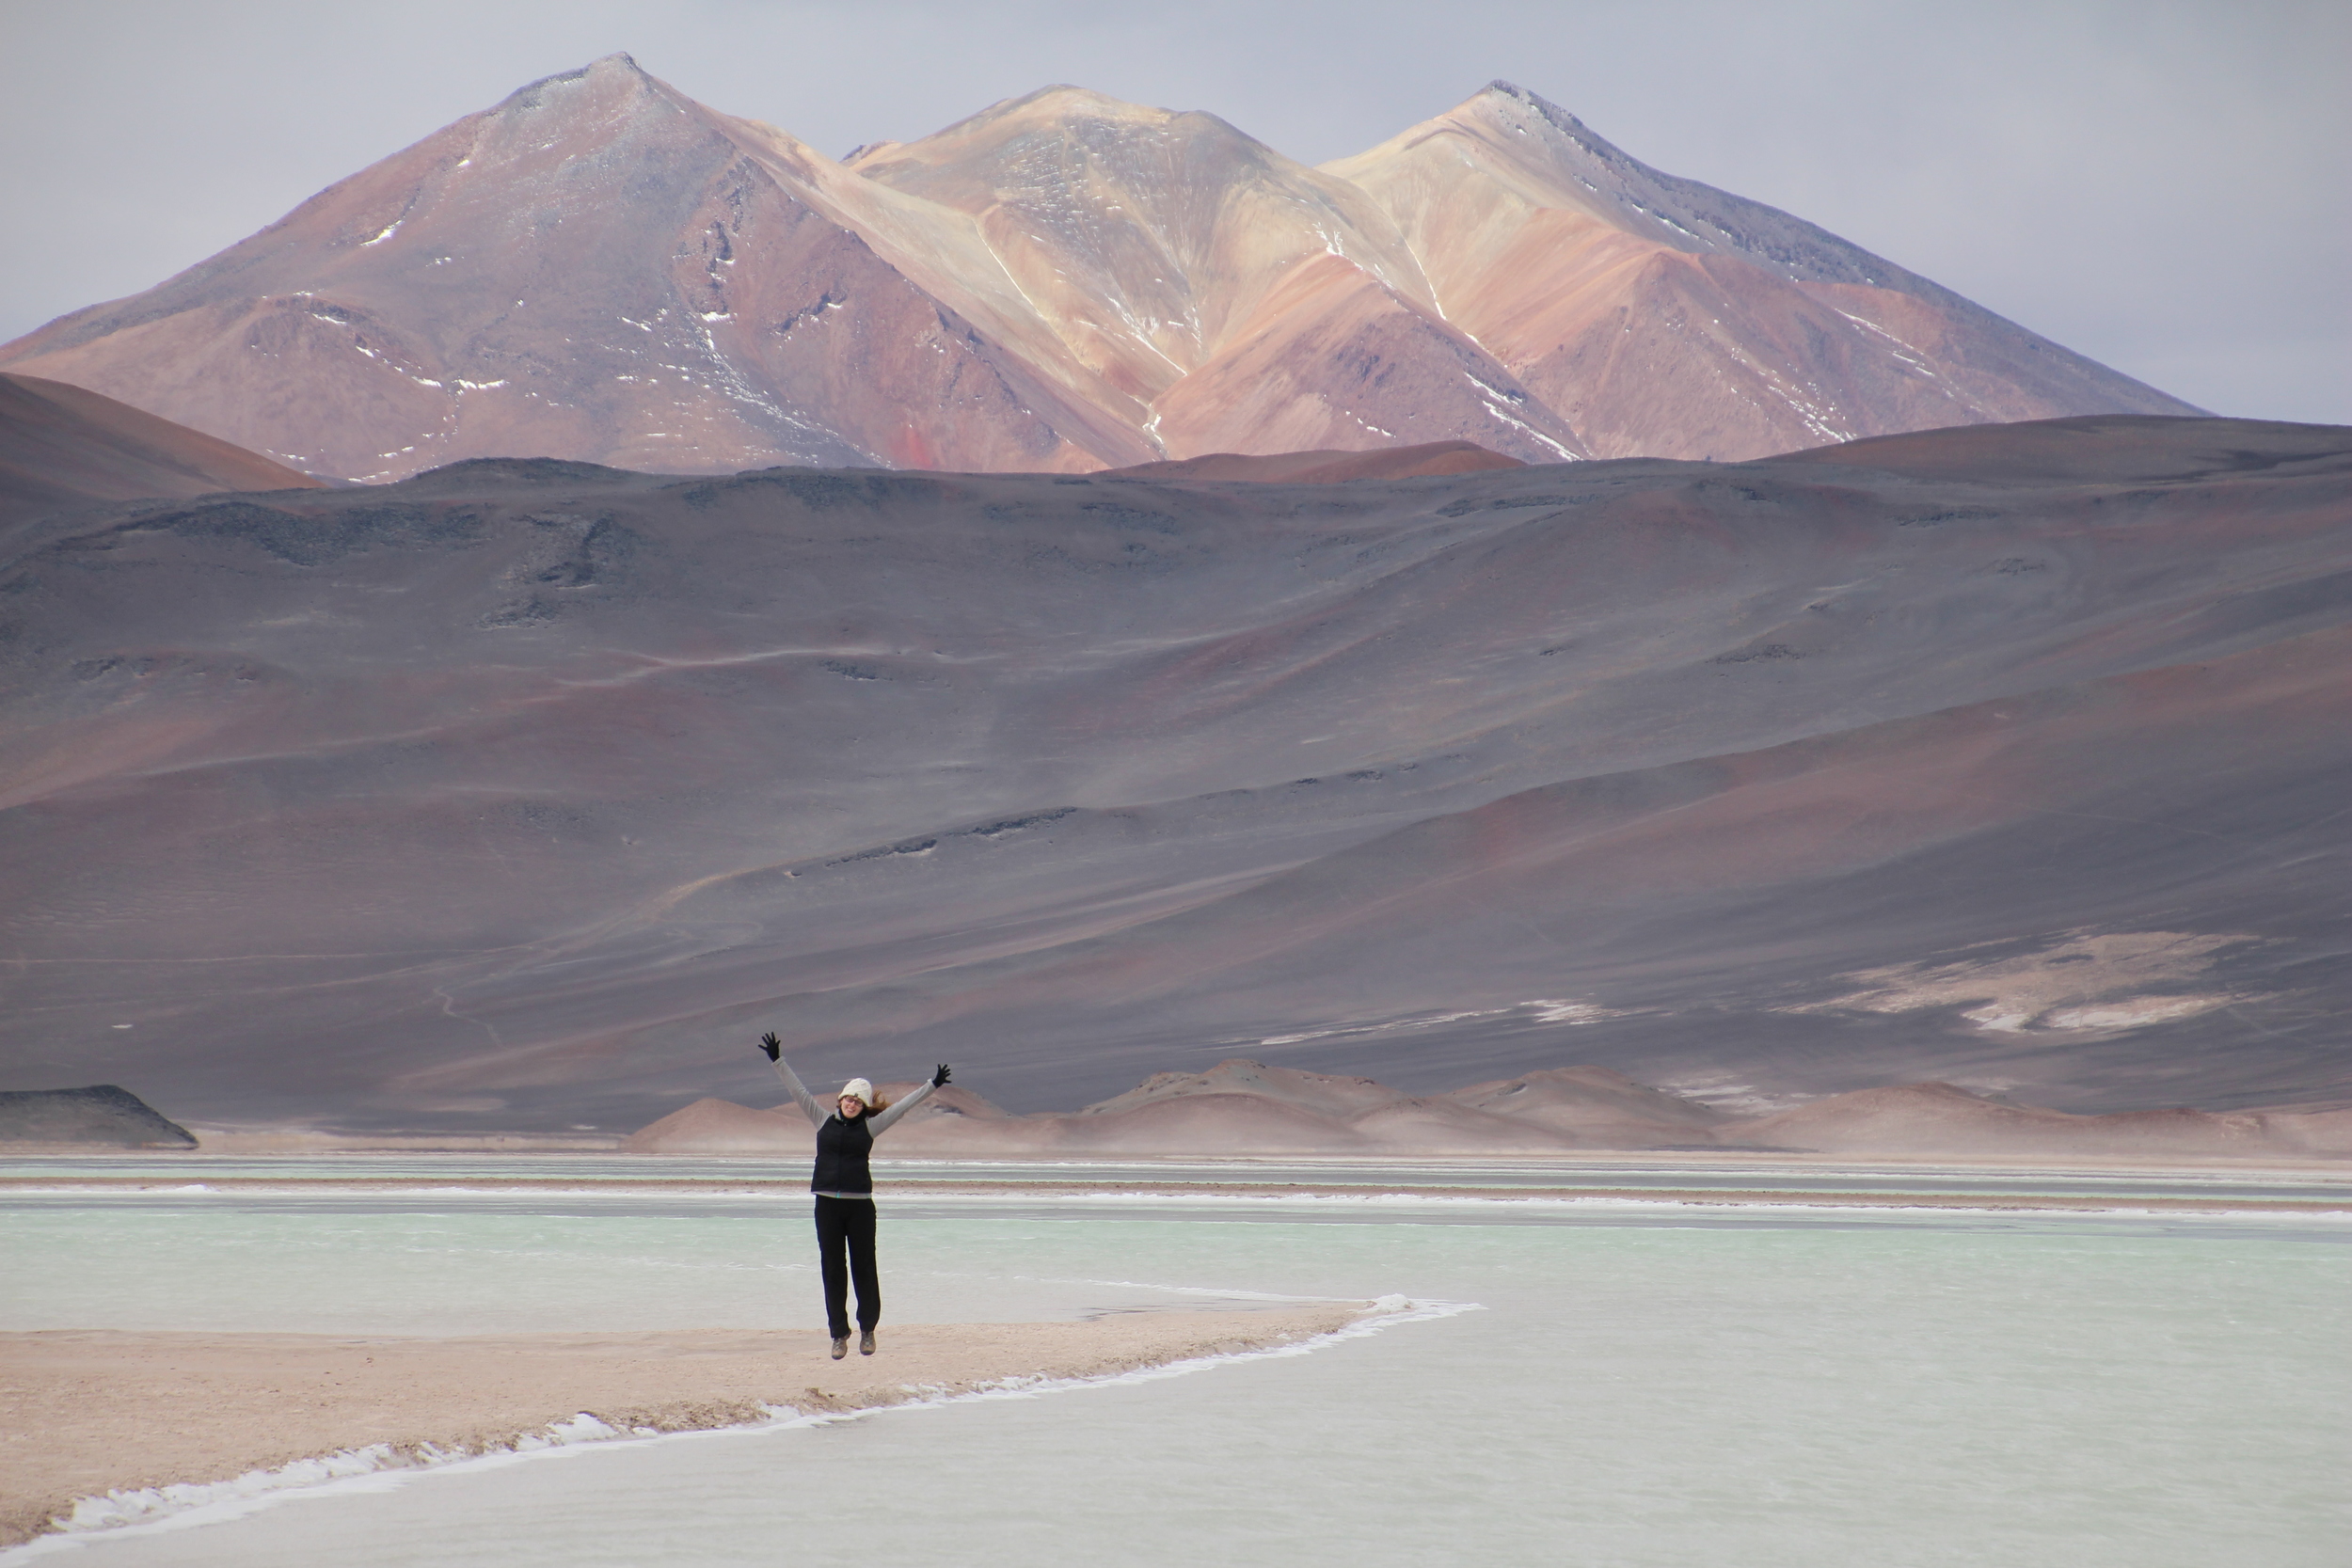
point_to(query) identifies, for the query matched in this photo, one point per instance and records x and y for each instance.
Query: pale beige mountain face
(1663, 318)
(600, 268)
(1147, 239)
(1227, 298)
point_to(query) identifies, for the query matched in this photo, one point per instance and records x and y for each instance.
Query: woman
(845, 1192)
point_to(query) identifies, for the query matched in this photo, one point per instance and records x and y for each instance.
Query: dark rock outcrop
(103, 1115)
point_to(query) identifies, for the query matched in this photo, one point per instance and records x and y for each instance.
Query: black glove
(771, 1045)
(941, 1076)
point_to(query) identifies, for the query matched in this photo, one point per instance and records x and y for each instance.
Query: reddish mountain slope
(598, 268)
(61, 446)
(601, 269)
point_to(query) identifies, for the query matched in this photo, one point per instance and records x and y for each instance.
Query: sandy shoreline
(83, 1412)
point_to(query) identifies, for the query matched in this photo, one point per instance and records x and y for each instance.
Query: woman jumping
(845, 1192)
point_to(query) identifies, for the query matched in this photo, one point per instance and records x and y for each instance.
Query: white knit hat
(859, 1088)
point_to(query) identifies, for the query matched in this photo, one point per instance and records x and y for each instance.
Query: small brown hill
(61, 446)
(1320, 1094)
(1241, 1107)
(1597, 1106)
(722, 1127)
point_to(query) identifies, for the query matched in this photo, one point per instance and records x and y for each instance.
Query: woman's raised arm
(882, 1119)
(801, 1097)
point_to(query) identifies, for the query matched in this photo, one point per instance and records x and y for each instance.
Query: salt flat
(1632, 1382)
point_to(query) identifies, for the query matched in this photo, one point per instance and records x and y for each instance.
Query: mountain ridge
(600, 268)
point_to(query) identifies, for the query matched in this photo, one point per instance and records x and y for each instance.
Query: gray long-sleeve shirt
(877, 1122)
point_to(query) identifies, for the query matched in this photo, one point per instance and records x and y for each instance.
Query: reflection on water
(1645, 1385)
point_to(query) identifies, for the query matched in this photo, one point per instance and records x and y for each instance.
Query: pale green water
(1642, 1386)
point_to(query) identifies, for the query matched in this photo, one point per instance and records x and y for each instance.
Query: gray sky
(2161, 185)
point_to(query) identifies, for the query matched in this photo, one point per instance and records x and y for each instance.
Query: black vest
(841, 1151)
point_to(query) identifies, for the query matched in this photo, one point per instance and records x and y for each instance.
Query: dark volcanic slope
(61, 447)
(528, 793)
(1328, 467)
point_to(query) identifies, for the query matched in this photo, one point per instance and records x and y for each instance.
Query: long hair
(877, 1104)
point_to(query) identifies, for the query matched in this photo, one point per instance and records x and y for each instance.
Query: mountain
(601, 269)
(1663, 318)
(1234, 299)
(62, 447)
(524, 795)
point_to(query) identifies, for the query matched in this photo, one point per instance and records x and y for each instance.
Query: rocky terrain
(524, 795)
(601, 269)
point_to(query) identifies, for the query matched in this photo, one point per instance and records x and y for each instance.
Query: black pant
(844, 1243)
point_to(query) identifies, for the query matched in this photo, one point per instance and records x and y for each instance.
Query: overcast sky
(2164, 187)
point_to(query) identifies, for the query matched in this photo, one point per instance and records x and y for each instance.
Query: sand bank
(88, 1413)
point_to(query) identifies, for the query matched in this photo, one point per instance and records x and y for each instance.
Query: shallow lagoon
(1634, 1383)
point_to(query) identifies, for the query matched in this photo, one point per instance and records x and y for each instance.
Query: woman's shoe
(866, 1343)
(841, 1346)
